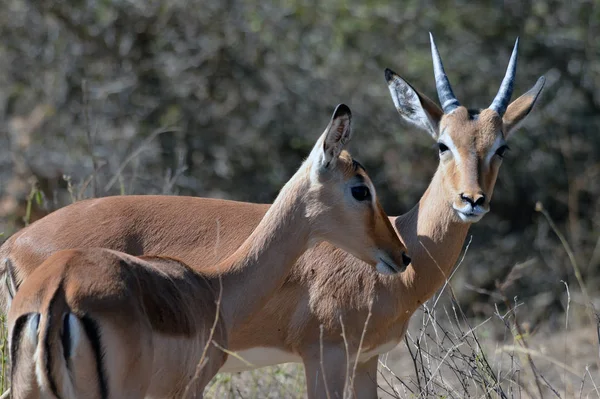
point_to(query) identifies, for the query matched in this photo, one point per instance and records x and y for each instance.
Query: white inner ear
(337, 137)
(409, 107)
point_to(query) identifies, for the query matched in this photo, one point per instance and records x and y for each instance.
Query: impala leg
(215, 359)
(326, 375)
(365, 380)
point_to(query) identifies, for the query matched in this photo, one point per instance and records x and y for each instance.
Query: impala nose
(474, 200)
(406, 259)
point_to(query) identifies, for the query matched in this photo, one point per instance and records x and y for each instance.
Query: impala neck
(260, 265)
(434, 239)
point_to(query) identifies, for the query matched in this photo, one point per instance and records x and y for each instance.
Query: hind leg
(127, 361)
(85, 357)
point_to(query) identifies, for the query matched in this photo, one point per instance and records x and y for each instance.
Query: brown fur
(141, 298)
(325, 286)
(156, 312)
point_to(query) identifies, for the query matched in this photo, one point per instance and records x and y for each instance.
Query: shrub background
(223, 98)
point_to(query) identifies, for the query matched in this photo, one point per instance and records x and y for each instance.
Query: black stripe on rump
(16, 339)
(65, 339)
(93, 334)
(46, 341)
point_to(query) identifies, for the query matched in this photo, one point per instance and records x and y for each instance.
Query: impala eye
(502, 150)
(443, 147)
(361, 193)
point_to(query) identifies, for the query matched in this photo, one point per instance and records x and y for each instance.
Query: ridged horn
(447, 99)
(502, 99)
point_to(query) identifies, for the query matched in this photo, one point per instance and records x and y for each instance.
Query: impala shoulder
(177, 300)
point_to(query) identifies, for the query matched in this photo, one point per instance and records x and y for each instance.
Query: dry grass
(283, 381)
(446, 355)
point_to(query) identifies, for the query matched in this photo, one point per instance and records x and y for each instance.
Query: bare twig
(90, 139)
(137, 152)
(209, 341)
(347, 382)
(566, 321)
(321, 327)
(30, 198)
(587, 369)
(360, 343)
(532, 352)
(172, 177)
(590, 309)
(521, 339)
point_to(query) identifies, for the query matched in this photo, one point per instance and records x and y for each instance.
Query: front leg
(326, 375)
(213, 361)
(365, 379)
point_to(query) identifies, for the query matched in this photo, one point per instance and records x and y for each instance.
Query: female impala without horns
(96, 323)
(326, 285)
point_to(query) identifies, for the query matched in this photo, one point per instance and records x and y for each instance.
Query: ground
(450, 363)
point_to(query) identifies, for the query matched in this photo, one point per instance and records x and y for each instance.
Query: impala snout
(391, 254)
(475, 200)
(393, 259)
(406, 259)
(386, 265)
(471, 207)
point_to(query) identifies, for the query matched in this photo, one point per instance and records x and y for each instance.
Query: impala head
(471, 142)
(342, 204)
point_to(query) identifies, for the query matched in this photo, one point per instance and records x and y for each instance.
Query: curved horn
(506, 88)
(444, 90)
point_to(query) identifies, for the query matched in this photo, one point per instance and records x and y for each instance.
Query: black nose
(406, 259)
(478, 200)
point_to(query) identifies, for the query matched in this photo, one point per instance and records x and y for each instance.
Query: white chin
(383, 268)
(469, 217)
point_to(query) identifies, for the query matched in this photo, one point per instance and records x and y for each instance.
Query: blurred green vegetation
(224, 99)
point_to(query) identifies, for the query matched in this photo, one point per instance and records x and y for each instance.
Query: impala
(327, 287)
(138, 326)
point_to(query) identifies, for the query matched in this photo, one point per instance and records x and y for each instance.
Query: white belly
(380, 350)
(256, 358)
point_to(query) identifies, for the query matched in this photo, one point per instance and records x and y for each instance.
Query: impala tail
(8, 288)
(56, 354)
(8, 281)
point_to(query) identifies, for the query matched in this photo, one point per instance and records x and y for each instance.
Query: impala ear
(336, 136)
(520, 108)
(414, 107)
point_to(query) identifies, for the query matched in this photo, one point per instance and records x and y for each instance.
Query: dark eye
(443, 147)
(502, 150)
(361, 193)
